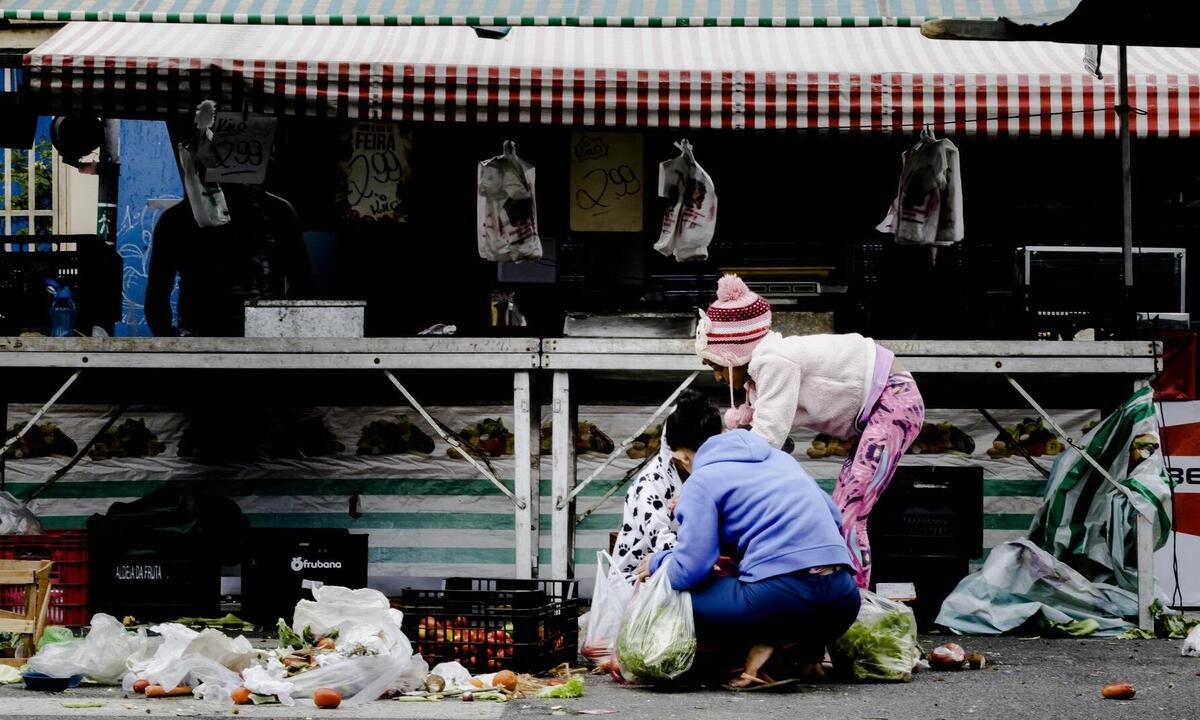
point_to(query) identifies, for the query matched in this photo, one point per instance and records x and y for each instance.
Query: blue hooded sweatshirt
(759, 504)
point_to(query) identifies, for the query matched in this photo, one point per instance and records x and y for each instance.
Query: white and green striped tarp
(433, 517)
(623, 13)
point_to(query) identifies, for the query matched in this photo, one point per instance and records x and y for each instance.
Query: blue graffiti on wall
(149, 184)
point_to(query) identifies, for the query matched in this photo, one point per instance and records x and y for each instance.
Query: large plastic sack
(364, 620)
(610, 596)
(690, 219)
(657, 640)
(359, 679)
(1020, 582)
(881, 645)
(16, 519)
(507, 208)
(101, 656)
(270, 679)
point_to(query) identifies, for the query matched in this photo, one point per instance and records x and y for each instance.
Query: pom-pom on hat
(733, 325)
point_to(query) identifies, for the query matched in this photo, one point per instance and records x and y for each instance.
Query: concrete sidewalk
(1036, 678)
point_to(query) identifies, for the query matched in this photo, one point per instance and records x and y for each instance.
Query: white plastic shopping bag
(881, 645)
(507, 208)
(206, 199)
(690, 219)
(657, 640)
(610, 597)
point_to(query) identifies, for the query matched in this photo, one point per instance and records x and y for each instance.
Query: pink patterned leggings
(890, 429)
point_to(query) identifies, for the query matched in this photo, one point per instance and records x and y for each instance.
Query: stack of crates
(68, 550)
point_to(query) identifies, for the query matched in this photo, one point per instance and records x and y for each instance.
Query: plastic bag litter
(880, 645)
(507, 208)
(1191, 646)
(455, 675)
(610, 597)
(413, 677)
(270, 679)
(9, 675)
(359, 679)
(657, 640)
(16, 519)
(55, 634)
(690, 219)
(209, 679)
(100, 656)
(365, 620)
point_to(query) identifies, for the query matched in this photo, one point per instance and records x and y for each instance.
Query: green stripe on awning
(641, 13)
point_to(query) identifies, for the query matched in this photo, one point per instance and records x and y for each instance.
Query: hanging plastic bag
(690, 219)
(101, 656)
(610, 597)
(207, 200)
(928, 207)
(881, 644)
(507, 208)
(657, 640)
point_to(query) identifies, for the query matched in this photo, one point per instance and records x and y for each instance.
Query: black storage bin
(489, 625)
(278, 561)
(159, 558)
(925, 529)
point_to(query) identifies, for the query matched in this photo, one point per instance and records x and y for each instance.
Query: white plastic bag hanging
(690, 219)
(507, 208)
(610, 597)
(207, 200)
(657, 640)
(928, 207)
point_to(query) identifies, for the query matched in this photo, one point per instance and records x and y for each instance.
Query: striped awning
(880, 79)
(771, 13)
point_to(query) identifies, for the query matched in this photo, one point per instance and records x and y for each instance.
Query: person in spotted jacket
(647, 524)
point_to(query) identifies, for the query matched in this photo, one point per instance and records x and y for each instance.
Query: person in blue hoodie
(794, 583)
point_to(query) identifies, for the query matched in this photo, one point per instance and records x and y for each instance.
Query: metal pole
(1123, 112)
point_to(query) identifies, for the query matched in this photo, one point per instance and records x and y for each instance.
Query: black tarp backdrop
(786, 199)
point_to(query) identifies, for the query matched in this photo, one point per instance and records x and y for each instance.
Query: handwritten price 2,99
(603, 186)
(244, 155)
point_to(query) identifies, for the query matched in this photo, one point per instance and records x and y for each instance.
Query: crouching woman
(793, 586)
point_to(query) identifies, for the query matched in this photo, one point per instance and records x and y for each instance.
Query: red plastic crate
(68, 550)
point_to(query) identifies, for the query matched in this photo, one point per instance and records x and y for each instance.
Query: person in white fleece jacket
(847, 386)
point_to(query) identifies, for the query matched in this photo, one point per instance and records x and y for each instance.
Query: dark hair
(693, 421)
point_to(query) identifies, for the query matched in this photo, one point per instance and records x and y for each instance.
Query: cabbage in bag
(657, 640)
(881, 645)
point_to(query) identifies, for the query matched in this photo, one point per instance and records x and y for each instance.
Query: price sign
(376, 173)
(240, 149)
(606, 182)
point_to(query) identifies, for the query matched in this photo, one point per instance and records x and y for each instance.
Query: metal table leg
(562, 525)
(527, 428)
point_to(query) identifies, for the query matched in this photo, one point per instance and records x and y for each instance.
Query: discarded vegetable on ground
(158, 691)
(1118, 691)
(327, 699)
(950, 656)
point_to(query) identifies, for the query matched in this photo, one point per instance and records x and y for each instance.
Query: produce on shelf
(824, 445)
(130, 439)
(309, 437)
(41, 441)
(588, 439)
(387, 437)
(488, 437)
(941, 438)
(647, 444)
(1030, 435)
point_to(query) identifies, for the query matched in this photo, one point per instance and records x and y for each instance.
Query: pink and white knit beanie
(733, 325)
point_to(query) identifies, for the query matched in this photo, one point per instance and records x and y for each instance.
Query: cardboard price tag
(240, 149)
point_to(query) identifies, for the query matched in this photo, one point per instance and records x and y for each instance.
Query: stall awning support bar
(454, 443)
(38, 415)
(562, 502)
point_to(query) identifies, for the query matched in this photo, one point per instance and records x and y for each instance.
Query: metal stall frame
(562, 357)
(521, 356)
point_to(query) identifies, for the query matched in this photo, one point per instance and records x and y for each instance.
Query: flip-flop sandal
(761, 685)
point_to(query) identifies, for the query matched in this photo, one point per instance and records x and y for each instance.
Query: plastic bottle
(62, 311)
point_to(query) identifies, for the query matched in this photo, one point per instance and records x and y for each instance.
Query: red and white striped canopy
(879, 79)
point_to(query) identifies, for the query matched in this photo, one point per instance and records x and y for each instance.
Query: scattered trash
(1118, 691)
(1191, 646)
(573, 688)
(9, 675)
(948, 657)
(977, 661)
(326, 698)
(83, 705)
(55, 634)
(1078, 628)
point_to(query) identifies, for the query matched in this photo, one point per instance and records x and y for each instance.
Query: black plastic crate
(930, 512)
(279, 561)
(491, 624)
(166, 582)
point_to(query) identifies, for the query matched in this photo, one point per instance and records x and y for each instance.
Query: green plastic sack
(881, 645)
(55, 634)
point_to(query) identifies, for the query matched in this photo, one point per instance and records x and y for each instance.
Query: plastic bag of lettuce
(657, 640)
(881, 645)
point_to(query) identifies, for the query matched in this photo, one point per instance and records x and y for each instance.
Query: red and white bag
(690, 219)
(507, 208)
